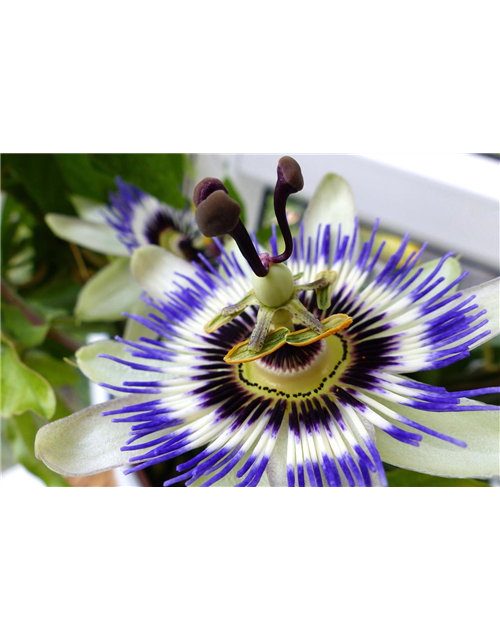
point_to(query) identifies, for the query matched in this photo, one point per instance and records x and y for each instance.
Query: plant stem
(55, 334)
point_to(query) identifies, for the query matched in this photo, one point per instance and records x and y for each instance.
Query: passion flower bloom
(131, 220)
(323, 398)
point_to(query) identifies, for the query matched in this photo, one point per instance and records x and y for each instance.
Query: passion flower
(319, 397)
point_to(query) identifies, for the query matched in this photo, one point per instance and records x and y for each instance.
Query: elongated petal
(92, 235)
(333, 204)
(103, 369)
(108, 293)
(135, 330)
(479, 429)
(88, 209)
(86, 442)
(154, 269)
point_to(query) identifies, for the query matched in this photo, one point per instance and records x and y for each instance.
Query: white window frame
(449, 200)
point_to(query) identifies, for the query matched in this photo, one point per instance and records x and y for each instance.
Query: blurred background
(448, 200)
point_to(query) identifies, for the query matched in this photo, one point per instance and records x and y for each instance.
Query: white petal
(154, 269)
(109, 293)
(479, 429)
(333, 204)
(108, 371)
(86, 442)
(97, 236)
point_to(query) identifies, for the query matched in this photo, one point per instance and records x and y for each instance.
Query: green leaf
(81, 176)
(55, 298)
(57, 372)
(21, 432)
(404, 478)
(42, 178)
(17, 224)
(159, 174)
(15, 323)
(23, 389)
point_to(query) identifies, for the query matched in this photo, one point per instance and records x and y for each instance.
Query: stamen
(218, 214)
(290, 181)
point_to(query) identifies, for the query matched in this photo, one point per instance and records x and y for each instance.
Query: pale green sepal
(88, 209)
(97, 236)
(479, 429)
(487, 297)
(333, 204)
(135, 330)
(86, 442)
(450, 271)
(21, 433)
(155, 269)
(108, 371)
(109, 293)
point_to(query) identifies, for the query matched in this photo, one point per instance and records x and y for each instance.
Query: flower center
(274, 291)
(296, 372)
(177, 243)
(157, 225)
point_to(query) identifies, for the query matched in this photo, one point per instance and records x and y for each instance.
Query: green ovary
(276, 288)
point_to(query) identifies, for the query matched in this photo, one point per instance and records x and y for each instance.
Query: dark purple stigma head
(218, 214)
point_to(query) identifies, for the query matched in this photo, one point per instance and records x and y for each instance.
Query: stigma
(218, 214)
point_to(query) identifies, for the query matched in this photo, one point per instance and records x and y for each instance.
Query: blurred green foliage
(42, 277)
